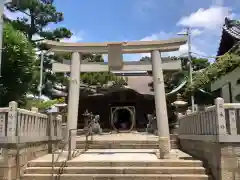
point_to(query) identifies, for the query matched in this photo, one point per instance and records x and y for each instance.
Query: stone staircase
(130, 142)
(117, 157)
(118, 164)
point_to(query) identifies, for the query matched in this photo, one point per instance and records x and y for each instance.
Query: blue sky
(129, 20)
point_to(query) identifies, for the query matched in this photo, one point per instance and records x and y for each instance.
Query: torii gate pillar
(73, 98)
(160, 105)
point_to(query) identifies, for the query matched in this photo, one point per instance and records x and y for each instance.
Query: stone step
(159, 163)
(121, 141)
(117, 170)
(118, 146)
(82, 146)
(118, 177)
(122, 145)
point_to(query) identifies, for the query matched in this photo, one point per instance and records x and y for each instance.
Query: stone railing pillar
(24, 137)
(12, 120)
(220, 113)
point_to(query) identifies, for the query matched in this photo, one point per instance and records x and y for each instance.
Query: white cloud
(76, 37)
(206, 27)
(196, 32)
(211, 18)
(182, 50)
(157, 36)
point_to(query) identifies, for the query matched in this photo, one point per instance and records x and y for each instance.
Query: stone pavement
(118, 163)
(132, 136)
(115, 155)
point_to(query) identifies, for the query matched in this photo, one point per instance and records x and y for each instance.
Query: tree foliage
(42, 105)
(145, 58)
(222, 66)
(95, 78)
(173, 79)
(99, 78)
(35, 17)
(18, 59)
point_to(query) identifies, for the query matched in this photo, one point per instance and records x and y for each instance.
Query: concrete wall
(222, 159)
(28, 152)
(22, 142)
(222, 84)
(212, 135)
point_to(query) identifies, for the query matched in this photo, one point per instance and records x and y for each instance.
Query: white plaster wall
(226, 93)
(231, 77)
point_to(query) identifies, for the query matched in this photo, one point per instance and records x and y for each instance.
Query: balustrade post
(12, 121)
(2, 123)
(232, 121)
(36, 128)
(59, 126)
(220, 113)
(49, 132)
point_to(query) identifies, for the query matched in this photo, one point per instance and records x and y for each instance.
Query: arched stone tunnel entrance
(123, 118)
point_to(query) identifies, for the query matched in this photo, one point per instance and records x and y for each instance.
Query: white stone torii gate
(115, 51)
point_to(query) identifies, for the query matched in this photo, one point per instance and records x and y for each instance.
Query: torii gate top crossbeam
(127, 47)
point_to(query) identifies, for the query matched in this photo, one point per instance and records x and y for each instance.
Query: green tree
(95, 78)
(145, 58)
(36, 16)
(18, 59)
(40, 104)
(173, 79)
(222, 66)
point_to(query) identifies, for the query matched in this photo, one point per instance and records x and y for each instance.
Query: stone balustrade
(213, 135)
(219, 123)
(24, 136)
(24, 126)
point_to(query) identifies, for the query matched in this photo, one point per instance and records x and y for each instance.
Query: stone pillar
(73, 97)
(160, 105)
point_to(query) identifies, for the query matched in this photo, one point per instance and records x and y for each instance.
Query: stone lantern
(179, 104)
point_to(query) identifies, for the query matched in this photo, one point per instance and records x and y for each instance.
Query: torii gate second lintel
(115, 50)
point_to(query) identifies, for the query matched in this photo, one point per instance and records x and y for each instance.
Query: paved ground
(116, 155)
(132, 136)
(125, 155)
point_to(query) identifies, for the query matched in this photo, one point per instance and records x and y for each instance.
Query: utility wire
(213, 57)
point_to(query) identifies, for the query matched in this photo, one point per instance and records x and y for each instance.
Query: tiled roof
(230, 35)
(232, 27)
